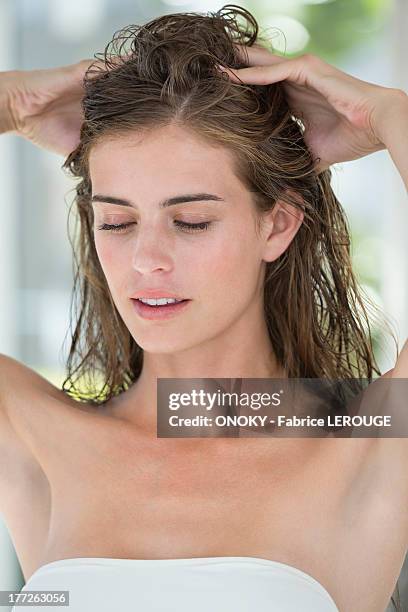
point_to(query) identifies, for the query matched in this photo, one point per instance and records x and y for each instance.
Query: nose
(151, 253)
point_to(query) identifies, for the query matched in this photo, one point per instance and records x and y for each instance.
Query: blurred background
(366, 38)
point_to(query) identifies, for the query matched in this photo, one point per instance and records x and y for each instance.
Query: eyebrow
(181, 199)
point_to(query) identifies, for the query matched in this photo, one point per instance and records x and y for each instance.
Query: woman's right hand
(44, 106)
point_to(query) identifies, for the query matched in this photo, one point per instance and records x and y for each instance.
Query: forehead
(161, 158)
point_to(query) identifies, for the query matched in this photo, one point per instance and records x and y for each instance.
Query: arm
(44, 106)
(6, 120)
(16, 460)
(12, 453)
(30, 407)
(393, 131)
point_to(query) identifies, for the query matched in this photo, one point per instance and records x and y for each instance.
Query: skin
(345, 119)
(220, 269)
(341, 489)
(44, 106)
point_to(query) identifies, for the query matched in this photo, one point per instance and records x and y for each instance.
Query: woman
(190, 171)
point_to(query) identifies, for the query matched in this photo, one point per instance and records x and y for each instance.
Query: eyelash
(189, 227)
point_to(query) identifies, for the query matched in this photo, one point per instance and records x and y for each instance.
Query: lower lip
(159, 312)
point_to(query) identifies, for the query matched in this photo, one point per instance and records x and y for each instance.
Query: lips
(167, 304)
(165, 311)
(157, 293)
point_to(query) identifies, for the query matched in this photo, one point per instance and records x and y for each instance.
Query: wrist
(392, 117)
(7, 115)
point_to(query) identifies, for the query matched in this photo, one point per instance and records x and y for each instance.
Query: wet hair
(165, 73)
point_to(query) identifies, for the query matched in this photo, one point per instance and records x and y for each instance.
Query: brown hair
(165, 72)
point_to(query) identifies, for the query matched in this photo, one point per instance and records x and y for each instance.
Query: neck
(242, 352)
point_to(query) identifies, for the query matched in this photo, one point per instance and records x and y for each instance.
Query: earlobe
(281, 225)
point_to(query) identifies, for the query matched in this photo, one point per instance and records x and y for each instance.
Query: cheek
(229, 263)
(105, 254)
(112, 261)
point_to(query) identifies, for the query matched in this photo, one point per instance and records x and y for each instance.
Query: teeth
(158, 301)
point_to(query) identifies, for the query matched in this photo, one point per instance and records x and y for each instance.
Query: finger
(257, 55)
(305, 69)
(258, 74)
(94, 67)
(79, 69)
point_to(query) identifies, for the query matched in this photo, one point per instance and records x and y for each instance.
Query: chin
(158, 342)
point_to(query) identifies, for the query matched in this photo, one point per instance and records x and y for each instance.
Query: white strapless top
(200, 584)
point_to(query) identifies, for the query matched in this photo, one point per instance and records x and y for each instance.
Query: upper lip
(156, 293)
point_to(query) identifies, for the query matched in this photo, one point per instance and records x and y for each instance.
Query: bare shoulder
(29, 406)
(26, 399)
(45, 437)
(20, 389)
(16, 378)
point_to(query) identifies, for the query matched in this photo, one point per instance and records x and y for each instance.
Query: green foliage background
(336, 27)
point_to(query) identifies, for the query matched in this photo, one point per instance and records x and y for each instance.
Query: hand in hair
(342, 116)
(45, 105)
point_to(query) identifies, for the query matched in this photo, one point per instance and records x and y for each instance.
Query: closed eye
(114, 227)
(194, 227)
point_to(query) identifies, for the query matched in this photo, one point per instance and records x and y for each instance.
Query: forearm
(6, 115)
(394, 134)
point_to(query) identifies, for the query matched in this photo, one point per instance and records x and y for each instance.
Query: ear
(279, 227)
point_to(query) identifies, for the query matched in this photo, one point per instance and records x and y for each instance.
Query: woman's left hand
(344, 117)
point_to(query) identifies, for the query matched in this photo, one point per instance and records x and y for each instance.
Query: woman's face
(218, 267)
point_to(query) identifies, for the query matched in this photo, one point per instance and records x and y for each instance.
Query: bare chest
(312, 504)
(173, 498)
